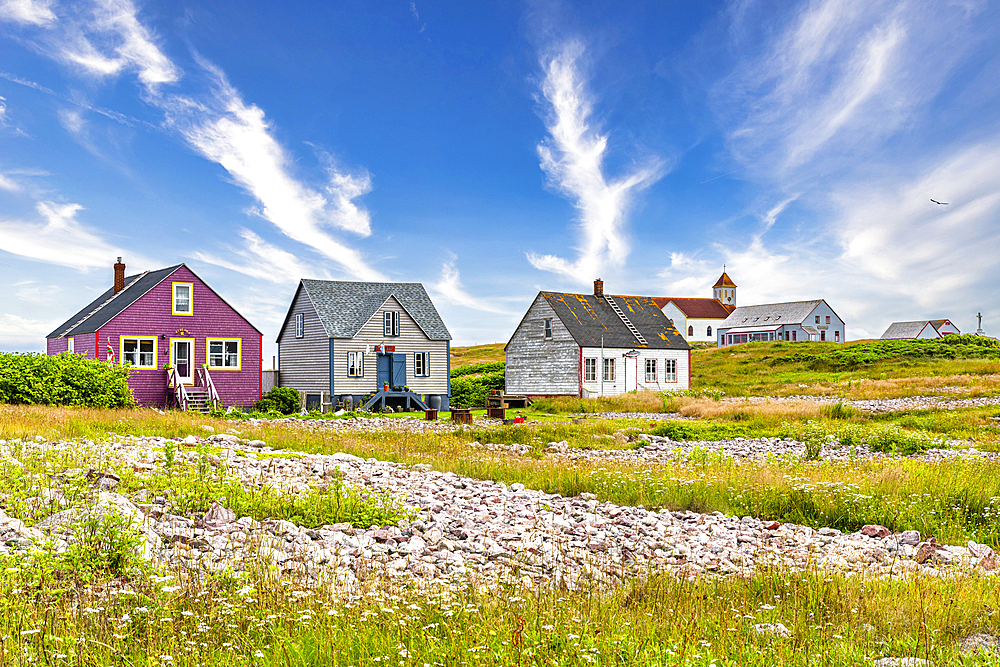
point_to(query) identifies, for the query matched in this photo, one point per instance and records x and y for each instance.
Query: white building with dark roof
(793, 321)
(919, 329)
(595, 345)
(697, 319)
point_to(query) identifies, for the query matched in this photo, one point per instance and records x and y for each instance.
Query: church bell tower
(724, 289)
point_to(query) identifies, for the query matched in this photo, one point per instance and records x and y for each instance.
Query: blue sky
(492, 149)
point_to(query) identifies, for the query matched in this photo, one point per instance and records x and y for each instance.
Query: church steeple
(724, 289)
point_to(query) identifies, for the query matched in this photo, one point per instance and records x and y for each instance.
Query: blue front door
(398, 370)
(390, 369)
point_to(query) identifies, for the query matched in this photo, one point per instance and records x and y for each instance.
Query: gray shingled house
(920, 329)
(791, 321)
(347, 341)
(594, 345)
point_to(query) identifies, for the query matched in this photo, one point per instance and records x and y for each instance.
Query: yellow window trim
(173, 298)
(192, 362)
(121, 350)
(208, 354)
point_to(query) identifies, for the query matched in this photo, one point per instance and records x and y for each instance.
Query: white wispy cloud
(18, 332)
(236, 135)
(58, 238)
(838, 78)
(572, 158)
(31, 12)
(260, 259)
(106, 38)
(449, 288)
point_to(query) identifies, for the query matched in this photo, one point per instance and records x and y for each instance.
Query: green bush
(280, 399)
(863, 354)
(471, 391)
(479, 369)
(63, 379)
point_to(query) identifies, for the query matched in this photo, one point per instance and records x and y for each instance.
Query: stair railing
(211, 393)
(180, 393)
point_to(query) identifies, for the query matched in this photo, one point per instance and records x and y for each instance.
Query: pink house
(187, 347)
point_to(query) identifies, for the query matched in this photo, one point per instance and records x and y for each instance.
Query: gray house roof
(770, 314)
(101, 310)
(900, 330)
(588, 318)
(344, 306)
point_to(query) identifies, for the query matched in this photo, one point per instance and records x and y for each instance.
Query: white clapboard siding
(411, 339)
(538, 366)
(304, 363)
(625, 378)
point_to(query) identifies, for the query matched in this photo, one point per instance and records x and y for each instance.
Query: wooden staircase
(199, 397)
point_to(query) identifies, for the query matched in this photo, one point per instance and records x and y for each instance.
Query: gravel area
(467, 528)
(657, 448)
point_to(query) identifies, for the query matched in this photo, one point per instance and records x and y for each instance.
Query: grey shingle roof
(793, 312)
(345, 306)
(902, 330)
(588, 317)
(135, 287)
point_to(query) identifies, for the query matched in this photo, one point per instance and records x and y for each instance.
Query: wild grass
(477, 354)
(259, 620)
(762, 369)
(643, 401)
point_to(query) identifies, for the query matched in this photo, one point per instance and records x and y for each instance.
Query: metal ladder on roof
(112, 298)
(628, 323)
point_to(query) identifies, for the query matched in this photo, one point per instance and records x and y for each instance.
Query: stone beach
(464, 528)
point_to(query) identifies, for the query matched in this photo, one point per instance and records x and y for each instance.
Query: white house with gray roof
(919, 329)
(345, 341)
(793, 321)
(596, 344)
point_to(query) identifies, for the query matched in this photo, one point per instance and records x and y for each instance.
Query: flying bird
(942, 203)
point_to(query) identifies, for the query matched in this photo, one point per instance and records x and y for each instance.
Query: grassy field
(140, 616)
(93, 605)
(786, 369)
(476, 354)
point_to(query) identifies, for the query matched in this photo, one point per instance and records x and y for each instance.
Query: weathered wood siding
(633, 377)
(538, 366)
(304, 363)
(411, 340)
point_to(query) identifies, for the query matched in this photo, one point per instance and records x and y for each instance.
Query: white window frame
(670, 370)
(300, 325)
(590, 369)
(421, 364)
(650, 377)
(225, 354)
(356, 364)
(173, 299)
(547, 328)
(609, 365)
(69, 345)
(390, 323)
(138, 352)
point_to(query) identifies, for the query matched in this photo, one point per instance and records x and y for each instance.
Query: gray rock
(910, 537)
(217, 515)
(900, 662)
(874, 530)
(980, 643)
(772, 629)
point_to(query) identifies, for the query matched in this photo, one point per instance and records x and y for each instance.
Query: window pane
(182, 298)
(232, 354)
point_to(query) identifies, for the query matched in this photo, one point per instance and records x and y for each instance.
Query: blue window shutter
(332, 366)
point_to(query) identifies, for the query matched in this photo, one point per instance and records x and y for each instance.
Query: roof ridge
(98, 309)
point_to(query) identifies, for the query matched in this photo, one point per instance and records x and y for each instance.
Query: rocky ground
(652, 448)
(883, 405)
(463, 528)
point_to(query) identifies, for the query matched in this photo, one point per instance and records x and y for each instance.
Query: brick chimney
(119, 276)
(599, 288)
